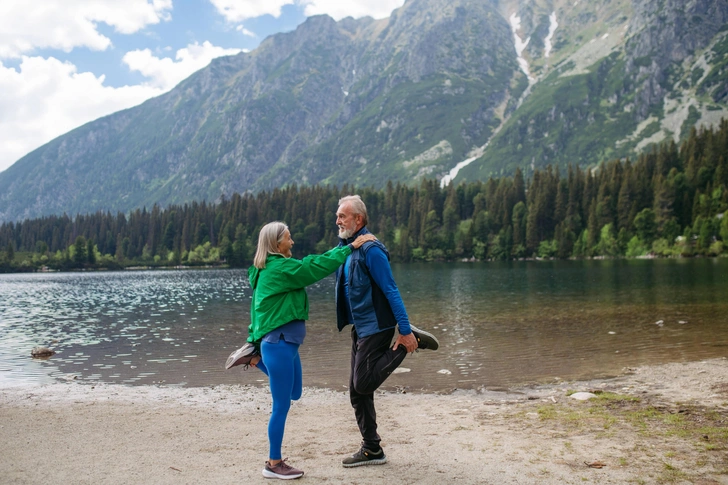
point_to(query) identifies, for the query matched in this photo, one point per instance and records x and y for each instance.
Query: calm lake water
(499, 324)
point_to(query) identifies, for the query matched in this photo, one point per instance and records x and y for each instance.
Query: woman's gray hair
(357, 206)
(270, 235)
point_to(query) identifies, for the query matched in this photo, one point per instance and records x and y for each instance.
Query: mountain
(619, 77)
(498, 84)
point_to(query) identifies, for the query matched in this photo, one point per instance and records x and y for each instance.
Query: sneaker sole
(432, 342)
(237, 358)
(270, 474)
(378, 461)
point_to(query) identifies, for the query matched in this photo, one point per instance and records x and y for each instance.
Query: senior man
(368, 298)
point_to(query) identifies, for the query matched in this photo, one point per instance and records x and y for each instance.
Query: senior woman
(277, 329)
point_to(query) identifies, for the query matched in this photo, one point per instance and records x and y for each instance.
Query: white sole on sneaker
(270, 474)
(241, 353)
(378, 461)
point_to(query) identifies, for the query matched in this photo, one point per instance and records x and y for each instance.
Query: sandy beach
(656, 424)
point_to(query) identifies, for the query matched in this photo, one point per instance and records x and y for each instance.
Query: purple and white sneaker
(281, 470)
(243, 356)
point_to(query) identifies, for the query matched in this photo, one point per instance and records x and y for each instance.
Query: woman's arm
(300, 273)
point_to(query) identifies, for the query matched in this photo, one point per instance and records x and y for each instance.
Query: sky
(64, 63)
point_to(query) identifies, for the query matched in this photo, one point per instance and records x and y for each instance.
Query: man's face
(347, 222)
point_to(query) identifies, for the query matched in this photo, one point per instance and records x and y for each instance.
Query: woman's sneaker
(365, 457)
(281, 470)
(425, 340)
(243, 356)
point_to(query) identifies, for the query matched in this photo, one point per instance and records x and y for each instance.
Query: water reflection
(499, 323)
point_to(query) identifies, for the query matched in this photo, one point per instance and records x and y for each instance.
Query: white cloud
(45, 98)
(239, 10)
(165, 73)
(67, 24)
(245, 31)
(339, 9)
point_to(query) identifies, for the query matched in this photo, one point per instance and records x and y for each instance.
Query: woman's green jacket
(279, 289)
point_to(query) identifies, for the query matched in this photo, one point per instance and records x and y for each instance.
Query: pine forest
(669, 202)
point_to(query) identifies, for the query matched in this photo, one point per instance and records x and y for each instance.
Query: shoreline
(108, 433)
(141, 267)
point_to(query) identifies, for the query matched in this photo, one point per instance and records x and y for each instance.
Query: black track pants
(372, 361)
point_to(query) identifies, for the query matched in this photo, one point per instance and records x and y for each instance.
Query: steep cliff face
(662, 37)
(620, 77)
(447, 71)
(499, 83)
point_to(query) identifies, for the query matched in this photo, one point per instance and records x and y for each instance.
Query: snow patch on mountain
(553, 24)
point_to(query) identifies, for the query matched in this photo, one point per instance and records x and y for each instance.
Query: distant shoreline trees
(669, 202)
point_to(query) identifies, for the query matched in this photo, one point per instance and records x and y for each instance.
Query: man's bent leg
(372, 361)
(375, 360)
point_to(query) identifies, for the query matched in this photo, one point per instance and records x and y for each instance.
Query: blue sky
(64, 63)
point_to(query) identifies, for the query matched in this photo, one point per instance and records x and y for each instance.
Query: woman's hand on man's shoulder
(358, 242)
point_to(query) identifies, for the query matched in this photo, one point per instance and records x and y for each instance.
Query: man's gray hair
(270, 235)
(357, 206)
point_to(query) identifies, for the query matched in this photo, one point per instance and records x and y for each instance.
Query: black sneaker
(425, 340)
(243, 356)
(365, 457)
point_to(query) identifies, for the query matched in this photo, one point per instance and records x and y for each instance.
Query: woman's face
(284, 247)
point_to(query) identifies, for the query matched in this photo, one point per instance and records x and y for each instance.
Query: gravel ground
(656, 424)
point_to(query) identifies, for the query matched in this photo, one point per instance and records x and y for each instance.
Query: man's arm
(381, 273)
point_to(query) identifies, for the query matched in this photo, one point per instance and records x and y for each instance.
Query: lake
(499, 324)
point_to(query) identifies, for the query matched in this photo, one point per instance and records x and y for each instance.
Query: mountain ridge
(364, 101)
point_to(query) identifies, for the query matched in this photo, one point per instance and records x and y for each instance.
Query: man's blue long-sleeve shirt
(381, 272)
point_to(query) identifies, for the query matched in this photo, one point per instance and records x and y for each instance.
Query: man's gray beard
(345, 233)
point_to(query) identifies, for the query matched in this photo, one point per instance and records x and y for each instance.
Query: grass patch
(707, 430)
(670, 443)
(671, 474)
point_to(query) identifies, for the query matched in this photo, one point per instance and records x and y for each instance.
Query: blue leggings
(282, 364)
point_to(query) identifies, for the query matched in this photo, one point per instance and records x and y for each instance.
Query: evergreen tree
(79, 252)
(625, 200)
(562, 201)
(565, 240)
(519, 224)
(592, 233)
(239, 257)
(91, 252)
(604, 212)
(706, 232)
(646, 226)
(724, 228)
(169, 234)
(403, 246)
(663, 200)
(607, 245)
(574, 211)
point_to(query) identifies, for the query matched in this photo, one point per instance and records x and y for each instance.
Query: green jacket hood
(253, 275)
